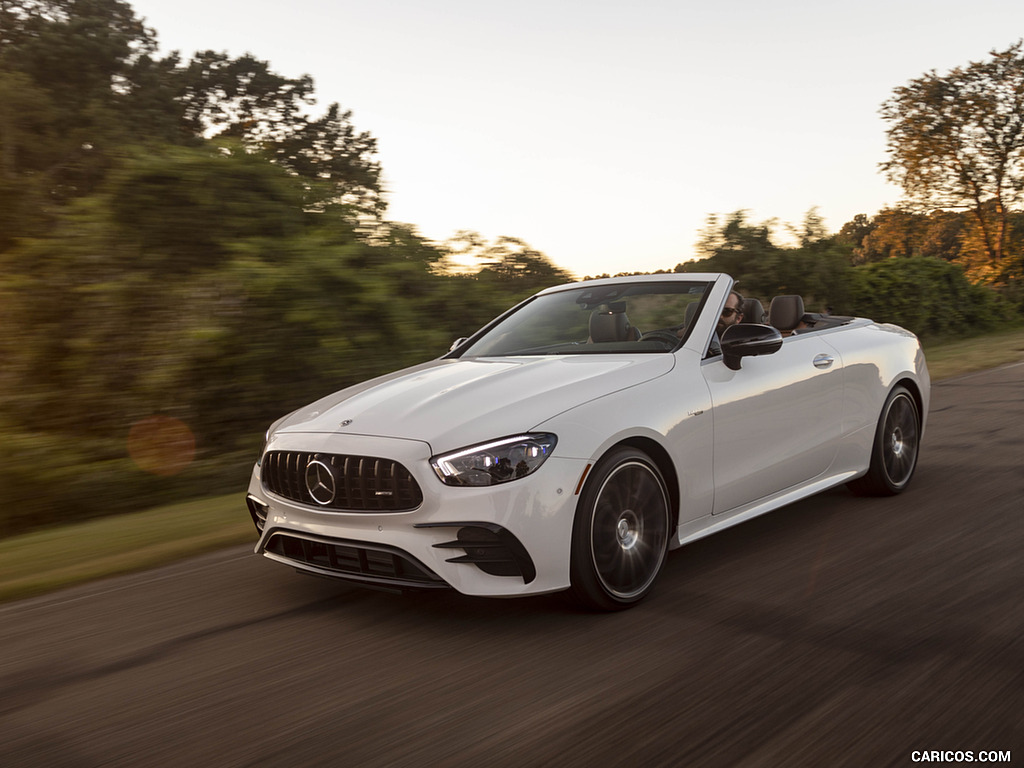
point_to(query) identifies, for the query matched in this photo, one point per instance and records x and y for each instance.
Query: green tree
(742, 249)
(196, 284)
(187, 240)
(956, 141)
(27, 141)
(928, 296)
(181, 209)
(80, 85)
(853, 232)
(949, 235)
(895, 233)
(507, 261)
(67, 65)
(244, 100)
(817, 268)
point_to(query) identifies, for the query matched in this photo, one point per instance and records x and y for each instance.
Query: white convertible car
(577, 438)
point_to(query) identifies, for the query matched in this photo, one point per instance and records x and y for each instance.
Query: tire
(895, 449)
(620, 532)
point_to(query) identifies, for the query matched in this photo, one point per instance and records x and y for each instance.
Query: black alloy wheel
(621, 531)
(895, 449)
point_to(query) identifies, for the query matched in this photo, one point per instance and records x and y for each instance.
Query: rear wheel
(894, 453)
(620, 534)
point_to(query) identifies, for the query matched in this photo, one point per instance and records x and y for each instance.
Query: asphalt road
(838, 631)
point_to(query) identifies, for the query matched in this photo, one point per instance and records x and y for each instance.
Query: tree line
(859, 271)
(193, 240)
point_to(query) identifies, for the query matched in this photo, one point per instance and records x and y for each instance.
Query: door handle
(823, 361)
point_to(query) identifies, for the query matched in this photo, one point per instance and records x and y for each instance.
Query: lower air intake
(352, 560)
(491, 548)
(258, 512)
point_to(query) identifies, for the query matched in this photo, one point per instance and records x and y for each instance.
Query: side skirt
(705, 526)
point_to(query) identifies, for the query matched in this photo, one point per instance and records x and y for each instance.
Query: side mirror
(458, 343)
(748, 340)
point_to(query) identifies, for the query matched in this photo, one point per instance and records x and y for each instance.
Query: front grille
(353, 560)
(360, 483)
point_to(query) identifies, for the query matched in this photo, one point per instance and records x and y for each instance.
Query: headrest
(753, 311)
(786, 312)
(608, 326)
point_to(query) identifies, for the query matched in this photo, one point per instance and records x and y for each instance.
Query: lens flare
(161, 445)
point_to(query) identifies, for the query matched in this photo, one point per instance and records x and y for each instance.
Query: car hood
(453, 403)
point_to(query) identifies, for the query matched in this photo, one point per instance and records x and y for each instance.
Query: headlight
(496, 462)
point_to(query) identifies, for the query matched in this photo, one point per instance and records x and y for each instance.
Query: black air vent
(353, 560)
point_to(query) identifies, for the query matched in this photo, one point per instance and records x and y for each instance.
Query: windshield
(647, 317)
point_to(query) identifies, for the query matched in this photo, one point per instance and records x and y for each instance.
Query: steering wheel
(666, 336)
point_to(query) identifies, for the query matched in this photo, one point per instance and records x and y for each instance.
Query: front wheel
(621, 530)
(894, 452)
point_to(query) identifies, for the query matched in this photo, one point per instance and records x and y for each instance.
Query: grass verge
(43, 561)
(954, 358)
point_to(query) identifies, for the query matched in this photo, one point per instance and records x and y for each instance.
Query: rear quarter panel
(875, 358)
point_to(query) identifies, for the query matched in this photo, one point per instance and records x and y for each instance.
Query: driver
(732, 313)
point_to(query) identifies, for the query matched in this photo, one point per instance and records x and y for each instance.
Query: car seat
(753, 311)
(611, 325)
(786, 313)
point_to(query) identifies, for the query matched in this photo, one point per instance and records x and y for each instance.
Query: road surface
(839, 631)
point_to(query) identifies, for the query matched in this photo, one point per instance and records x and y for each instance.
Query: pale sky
(604, 133)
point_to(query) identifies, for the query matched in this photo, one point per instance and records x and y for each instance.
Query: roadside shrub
(928, 296)
(47, 479)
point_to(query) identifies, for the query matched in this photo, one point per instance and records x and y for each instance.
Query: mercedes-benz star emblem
(320, 482)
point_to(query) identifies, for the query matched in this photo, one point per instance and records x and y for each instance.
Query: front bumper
(504, 540)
